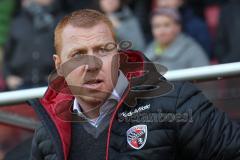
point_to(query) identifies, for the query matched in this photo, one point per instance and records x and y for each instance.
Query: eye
(77, 54)
(102, 51)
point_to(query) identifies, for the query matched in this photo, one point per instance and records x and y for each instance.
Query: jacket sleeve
(208, 133)
(42, 146)
(35, 150)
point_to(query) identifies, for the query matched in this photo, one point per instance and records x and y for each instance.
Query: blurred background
(179, 34)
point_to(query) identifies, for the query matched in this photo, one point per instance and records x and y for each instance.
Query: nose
(94, 63)
(94, 67)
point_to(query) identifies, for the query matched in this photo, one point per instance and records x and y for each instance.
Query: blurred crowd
(175, 33)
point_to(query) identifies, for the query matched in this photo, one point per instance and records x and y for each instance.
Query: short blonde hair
(82, 18)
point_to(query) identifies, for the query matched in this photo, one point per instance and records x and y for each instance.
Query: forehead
(86, 33)
(161, 19)
(85, 37)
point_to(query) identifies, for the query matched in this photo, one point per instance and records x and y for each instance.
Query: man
(108, 116)
(28, 51)
(171, 47)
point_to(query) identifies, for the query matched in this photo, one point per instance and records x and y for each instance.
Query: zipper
(112, 120)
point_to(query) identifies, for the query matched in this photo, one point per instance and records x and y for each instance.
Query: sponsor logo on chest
(137, 136)
(137, 110)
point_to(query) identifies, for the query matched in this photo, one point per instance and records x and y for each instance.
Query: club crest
(137, 136)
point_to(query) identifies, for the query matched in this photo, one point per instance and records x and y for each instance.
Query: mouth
(93, 84)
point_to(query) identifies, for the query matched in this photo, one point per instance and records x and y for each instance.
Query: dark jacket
(180, 124)
(28, 52)
(228, 34)
(195, 27)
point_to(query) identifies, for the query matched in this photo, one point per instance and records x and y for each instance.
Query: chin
(91, 100)
(90, 95)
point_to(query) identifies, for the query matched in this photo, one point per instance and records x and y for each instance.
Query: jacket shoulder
(181, 88)
(181, 92)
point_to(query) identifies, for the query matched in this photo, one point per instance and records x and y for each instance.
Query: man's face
(174, 4)
(97, 67)
(164, 29)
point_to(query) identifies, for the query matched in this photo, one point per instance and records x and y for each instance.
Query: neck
(90, 109)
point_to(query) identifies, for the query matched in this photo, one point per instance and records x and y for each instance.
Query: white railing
(199, 73)
(12, 97)
(205, 73)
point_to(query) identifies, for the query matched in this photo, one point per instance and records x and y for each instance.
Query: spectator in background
(199, 6)
(126, 25)
(28, 52)
(228, 34)
(171, 47)
(6, 10)
(142, 10)
(191, 24)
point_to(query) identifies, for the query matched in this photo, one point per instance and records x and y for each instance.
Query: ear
(57, 62)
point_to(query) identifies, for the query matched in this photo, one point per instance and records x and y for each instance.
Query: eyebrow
(74, 50)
